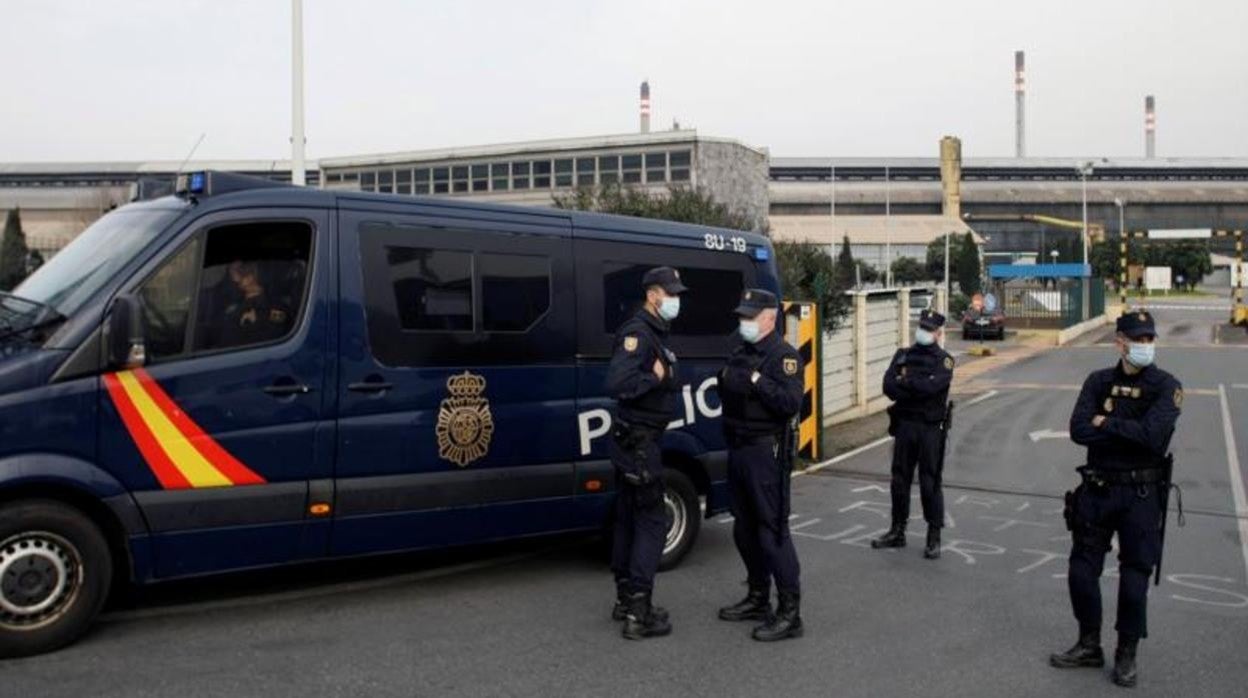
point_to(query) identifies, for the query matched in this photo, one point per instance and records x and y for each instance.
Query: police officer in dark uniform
(254, 317)
(918, 381)
(761, 392)
(1125, 417)
(642, 380)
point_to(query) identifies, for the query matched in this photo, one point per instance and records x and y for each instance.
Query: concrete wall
(856, 356)
(735, 176)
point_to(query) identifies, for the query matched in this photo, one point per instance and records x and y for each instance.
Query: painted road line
(1237, 477)
(844, 456)
(1240, 386)
(1048, 434)
(979, 398)
(1070, 387)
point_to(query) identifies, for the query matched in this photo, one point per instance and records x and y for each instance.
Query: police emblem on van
(465, 424)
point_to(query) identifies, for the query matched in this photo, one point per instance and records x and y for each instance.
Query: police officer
(1125, 417)
(918, 381)
(254, 317)
(761, 392)
(642, 380)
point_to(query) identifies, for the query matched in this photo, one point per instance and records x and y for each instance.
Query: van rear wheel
(55, 573)
(683, 510)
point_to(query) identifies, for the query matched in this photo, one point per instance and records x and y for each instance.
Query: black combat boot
(1086, 653)
(641, 621)
(621, 604)
(895, 538)
(1124, 662)
(787, 621)
(755, 606)
(932, 550)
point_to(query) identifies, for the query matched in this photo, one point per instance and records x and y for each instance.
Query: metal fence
(1049, 304)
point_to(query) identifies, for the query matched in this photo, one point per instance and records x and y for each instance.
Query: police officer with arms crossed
(1125, 417)
(761, 392)
(642, 380)
(918, 380)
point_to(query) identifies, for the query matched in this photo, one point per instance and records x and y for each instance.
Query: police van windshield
(75, 273)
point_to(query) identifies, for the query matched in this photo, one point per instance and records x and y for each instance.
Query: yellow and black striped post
(1123, 245)
(802, 331)
(1239, 311)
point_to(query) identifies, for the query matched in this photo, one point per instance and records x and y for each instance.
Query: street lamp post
(1085, 171)
(297, 175)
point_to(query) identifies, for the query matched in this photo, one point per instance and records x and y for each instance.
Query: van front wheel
(684, 517)
(55, 573)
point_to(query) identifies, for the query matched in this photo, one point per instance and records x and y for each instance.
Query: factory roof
(899, 230)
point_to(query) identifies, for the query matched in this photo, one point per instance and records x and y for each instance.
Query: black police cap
(666, 278)
(931, 320)
(755, 301)
(1137, 323)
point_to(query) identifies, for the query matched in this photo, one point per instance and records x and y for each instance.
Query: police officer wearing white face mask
(1125, 416)
(642, 380)
(918, 381)
(761, 391)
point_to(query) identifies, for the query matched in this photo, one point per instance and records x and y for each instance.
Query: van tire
(55, 574)
(679, 500)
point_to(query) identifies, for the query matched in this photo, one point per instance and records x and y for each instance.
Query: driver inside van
(252, 318)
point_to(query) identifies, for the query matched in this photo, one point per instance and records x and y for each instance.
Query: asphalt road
(532, 619)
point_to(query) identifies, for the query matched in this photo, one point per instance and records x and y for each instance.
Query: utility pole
(297, 175)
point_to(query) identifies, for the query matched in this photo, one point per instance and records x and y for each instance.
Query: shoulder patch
(949, 362)
(1178, 397)
(630, 343)
(790, 366)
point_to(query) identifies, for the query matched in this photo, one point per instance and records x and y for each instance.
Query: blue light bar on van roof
(198, 183)
(761, 254)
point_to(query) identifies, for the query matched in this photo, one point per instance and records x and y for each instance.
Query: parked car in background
(983, 323)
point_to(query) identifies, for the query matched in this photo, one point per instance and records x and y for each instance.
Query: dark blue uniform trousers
(917, 443)
(759, 505)
(1134, 513)
(640, 517)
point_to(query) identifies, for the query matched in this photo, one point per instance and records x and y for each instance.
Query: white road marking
(1048, 434)
(804, 524)
(979, 398)
(844, 456)
(1237, 478)
(1240, 386)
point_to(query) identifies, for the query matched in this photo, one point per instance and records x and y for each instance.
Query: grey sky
(142, 79)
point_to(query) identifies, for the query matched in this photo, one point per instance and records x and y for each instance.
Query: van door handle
(287, 389)
(372, 385)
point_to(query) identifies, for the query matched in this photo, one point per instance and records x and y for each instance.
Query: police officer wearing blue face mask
(1125, 416)
(642, 380)
(918, 381)
(761, 391)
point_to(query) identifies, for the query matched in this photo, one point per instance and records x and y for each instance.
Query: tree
(936, 257)
(846, 273)
(13, 252)
(808, 272)
(908, 270)
(1190, 260)
(970, 273)
(680, 204)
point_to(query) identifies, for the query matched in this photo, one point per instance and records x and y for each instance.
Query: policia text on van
(248, 374)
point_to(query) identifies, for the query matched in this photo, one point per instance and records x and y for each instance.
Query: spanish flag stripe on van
(177, 450)
(228, 465)
(169, 476)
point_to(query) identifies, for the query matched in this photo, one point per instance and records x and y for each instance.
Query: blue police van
(247, 374)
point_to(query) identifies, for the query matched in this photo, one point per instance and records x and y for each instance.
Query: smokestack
(951, 176)
(1020, 108)
(1150, 127)
(645, 106)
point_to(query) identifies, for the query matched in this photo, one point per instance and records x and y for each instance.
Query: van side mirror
(123, 333)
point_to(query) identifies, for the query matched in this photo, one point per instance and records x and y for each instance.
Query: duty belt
(1143, 476)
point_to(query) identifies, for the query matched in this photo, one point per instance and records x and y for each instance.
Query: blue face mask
(1141, 354)
(669, 308)
(749, 330)
(923, 337)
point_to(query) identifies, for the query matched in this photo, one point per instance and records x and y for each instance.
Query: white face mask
(669, 309)
(1141, 354)
(923, 337)
(749, 330)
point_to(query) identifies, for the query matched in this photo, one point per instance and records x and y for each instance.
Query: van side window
(252, 284)
(515, 291)
(166, 298)
(432, 288)
(705, 310)
(439, 297)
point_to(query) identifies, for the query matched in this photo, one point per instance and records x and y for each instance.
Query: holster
(633, 466)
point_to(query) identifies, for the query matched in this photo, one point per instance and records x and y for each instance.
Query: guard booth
(1047, 296)
(801, 329)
